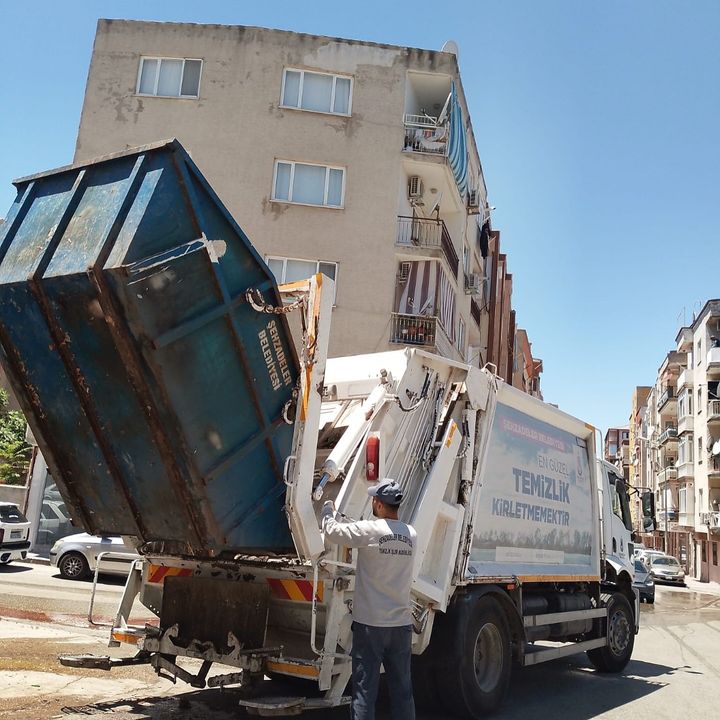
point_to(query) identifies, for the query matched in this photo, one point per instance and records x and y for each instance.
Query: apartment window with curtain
(288, 270)
(318, 92)
(169, 77)
(307, 184)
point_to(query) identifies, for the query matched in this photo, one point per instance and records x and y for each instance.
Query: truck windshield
(620, 502)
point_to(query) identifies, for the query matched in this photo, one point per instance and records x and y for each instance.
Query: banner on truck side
(535, 509)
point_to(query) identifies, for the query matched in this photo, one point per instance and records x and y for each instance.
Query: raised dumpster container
(155, 391)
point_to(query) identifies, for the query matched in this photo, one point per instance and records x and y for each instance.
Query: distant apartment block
(683, 418)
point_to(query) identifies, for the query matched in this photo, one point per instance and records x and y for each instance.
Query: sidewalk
(36, 559)
(709, 588)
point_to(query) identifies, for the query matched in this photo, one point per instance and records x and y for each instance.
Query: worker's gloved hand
(328, 507)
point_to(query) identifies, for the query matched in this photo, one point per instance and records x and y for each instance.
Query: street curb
(37, 560)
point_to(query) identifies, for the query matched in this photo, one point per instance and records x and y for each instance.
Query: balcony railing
(421, 330)
(712, 520)
(713, 359)
(669, 433)
(668, 395)
(423, 134)
(686, 378)
(714, 410)
(429, 234)
(713, 466)
(666, 475)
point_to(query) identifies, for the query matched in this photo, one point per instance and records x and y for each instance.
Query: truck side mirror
(648, 511)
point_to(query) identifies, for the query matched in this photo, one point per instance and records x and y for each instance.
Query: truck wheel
(620, 633)
(476, 674)
(73, 566)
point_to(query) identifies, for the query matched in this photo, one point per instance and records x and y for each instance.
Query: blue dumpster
(156, 392)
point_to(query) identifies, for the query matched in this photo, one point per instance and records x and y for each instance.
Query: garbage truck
(150, 349)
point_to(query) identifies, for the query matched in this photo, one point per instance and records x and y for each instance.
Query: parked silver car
(643, 582)
(667, 569)
(75, 556)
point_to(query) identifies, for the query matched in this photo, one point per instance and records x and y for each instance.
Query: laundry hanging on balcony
(457, 147)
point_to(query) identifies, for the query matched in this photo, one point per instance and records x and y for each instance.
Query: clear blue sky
(598, 126)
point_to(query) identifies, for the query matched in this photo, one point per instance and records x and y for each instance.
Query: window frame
(334, 76)
(285, 259)
(159, 58)
(290, 201)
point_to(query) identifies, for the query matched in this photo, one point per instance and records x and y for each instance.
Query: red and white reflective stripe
(295, 589)
(158, 573)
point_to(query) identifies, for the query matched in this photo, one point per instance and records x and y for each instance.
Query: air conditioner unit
(473, 199)
(415, 187)
(473, 283)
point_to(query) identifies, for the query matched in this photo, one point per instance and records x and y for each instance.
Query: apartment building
(684, 434)
(351, 158)
(616, 449)
(526, 369)
(637, 440)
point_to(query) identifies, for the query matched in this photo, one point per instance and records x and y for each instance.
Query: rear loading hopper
(156, 392)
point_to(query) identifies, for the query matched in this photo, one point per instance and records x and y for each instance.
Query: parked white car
(75, 556)
(14, 533)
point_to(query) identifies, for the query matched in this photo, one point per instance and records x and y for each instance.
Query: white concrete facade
(239, 127)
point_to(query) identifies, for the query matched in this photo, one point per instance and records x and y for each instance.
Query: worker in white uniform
(382, 622)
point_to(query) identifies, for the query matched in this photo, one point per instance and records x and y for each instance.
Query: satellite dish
(451, 47)
(715, 448)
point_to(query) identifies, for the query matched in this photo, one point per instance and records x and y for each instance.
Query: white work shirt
(384, 567)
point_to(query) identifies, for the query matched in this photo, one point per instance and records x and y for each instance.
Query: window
(466, 259)
(714, 553)
(461, 337)
(320, 92)
(699, 400)
(685, 403)
(288, 270)
(699, 352)
(308, 184)
(700, 444)
(169, 77)
(685, 448)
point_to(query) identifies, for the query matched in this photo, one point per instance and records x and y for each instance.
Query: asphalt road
(675, 668)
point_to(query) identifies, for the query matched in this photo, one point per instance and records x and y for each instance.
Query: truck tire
(73, 566)
(621, 636)
(475, 674)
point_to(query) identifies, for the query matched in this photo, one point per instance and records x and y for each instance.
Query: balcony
(685, 470)
(712, 520)
(685, 379)
(423, 134)
(422, 331)
(713, 411)
(686, 424)
(669, 434)
(713, 361)
(713, 468)
(429, 235)
(666, 475)
(668, 401)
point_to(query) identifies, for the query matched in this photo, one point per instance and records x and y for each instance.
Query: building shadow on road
(577, 692)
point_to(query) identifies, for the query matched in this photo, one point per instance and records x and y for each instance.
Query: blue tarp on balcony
(457, 147)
